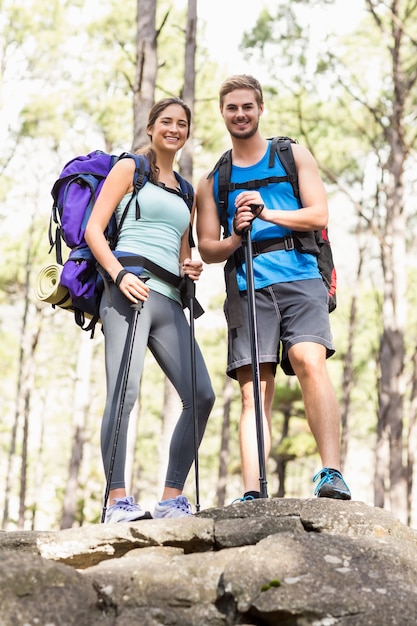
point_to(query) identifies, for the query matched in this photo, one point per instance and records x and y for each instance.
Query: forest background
(341, 78)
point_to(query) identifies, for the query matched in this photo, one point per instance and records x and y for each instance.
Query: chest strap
(266, 245)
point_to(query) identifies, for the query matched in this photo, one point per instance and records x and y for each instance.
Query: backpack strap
(306, 241)
(140, 177)
(138, 260)
(224, 167)
(267, 245)
(187, 193)
(282, 147)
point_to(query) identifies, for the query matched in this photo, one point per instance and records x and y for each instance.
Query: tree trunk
(80, 409)
(412, 440)
(392, 350)
(188, 92)
(22, 391)
(146, 69)
(348, 376)
(28, 388)
(224, 442)
(282, 460)
(39, 466)
(393, 26)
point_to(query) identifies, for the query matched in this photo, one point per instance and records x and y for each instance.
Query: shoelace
(244, 499)
(182, 503)
(327, 476)
(127, 503)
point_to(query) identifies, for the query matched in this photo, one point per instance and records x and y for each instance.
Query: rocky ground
(269, 562)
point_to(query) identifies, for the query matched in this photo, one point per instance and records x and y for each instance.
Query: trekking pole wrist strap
(120, 276)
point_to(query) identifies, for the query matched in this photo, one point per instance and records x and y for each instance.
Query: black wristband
(119, 277)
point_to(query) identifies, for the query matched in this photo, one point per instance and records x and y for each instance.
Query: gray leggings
(163, 327)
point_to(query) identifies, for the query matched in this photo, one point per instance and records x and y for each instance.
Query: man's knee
(307, 358)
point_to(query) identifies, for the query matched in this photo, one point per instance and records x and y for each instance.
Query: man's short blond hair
(241, 81)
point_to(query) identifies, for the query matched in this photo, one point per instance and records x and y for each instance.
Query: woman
(162, 236)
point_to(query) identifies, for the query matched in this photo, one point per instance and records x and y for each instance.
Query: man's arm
(312, 191)
(212, 248)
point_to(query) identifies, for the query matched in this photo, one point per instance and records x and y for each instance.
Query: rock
(275, 561)
(34, 591)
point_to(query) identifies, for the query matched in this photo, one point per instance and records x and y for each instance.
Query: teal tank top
(164, 218)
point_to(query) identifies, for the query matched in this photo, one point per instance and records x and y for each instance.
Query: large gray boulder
(269, 562)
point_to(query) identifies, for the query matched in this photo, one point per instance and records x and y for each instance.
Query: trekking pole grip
(189, 288)
(137, 306)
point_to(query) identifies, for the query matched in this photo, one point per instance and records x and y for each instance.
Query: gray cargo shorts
(286, 314)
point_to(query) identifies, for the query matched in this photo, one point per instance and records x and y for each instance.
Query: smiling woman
(160, 241)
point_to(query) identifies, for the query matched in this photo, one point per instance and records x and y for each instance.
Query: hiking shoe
(249, 495)
(174, 507)
(331, 485)
(244, 499)
(125, 510)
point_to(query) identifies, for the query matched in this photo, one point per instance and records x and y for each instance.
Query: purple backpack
(74, 194)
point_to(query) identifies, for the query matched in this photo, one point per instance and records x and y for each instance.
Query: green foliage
(286, 395)
(262, 32)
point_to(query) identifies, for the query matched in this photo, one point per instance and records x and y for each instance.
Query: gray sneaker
(331, 485)
(125, 510)
(174, 507)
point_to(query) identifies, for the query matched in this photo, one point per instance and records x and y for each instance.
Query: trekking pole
(130, 340)
(190, 294)
(247, 244)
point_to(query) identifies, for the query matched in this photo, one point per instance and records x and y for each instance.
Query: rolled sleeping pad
(49, 289)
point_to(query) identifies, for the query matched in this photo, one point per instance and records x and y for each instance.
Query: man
(291, 299)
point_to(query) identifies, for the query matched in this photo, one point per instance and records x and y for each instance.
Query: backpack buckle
(289, 243)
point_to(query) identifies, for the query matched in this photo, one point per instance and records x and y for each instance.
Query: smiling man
(291, 299)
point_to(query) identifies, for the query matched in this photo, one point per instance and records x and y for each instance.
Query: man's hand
(249, 205)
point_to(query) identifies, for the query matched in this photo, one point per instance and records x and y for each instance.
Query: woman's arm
(189, 267)
(118, 183)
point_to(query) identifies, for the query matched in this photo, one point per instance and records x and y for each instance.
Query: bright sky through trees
(227, 20)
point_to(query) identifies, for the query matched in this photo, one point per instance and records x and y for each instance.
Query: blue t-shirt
(164, 218)
(279, 266)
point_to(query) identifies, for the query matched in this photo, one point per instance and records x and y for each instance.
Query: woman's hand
(133, 288)
(191, 268)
